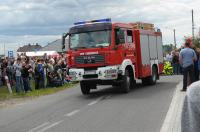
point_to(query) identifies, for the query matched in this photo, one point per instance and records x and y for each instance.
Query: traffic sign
(10, 54)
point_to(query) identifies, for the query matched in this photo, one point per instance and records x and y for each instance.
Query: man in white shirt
(169, 57)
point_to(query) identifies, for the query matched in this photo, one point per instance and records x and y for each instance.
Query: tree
(196, 42)
(168, 48)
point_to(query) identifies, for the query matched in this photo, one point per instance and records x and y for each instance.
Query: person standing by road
(39, 74)
(50, 70)
(10, 71)
(175, 63)
(42, 73)
(187, 57)
(18, 75)
(169, 57)
(26, 69)
(196, 71)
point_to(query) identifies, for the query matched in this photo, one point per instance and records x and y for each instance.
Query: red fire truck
(101, 52)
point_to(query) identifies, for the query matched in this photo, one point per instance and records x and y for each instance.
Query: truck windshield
(90, 39)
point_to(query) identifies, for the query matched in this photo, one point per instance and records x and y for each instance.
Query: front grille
(90, 68)
(90, 76)
(90, 59)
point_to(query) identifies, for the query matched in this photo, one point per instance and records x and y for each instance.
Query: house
(29, 48)
(2, 56)
(55, 46)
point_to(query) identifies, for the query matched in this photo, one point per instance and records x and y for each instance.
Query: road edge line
(173, 108)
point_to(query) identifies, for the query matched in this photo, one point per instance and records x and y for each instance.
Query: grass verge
(5, 95)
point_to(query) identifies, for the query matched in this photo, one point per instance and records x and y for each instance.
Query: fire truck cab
(105, 53)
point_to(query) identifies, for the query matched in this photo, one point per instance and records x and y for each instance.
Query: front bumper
(102, 73)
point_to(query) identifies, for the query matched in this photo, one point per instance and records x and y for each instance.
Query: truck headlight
(72, 73)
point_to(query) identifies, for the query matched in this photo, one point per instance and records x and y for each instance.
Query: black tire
(115, 85)
(152, 79)
(145, 81)
(93, 86)
(133, 81)
(85, 88)
(126, 82)
(133, 84)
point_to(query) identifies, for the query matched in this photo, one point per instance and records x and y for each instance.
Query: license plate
(90, 72)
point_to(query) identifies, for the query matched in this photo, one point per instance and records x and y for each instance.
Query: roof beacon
(107, 20)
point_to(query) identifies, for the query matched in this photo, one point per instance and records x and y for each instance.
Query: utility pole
(4, 49)
(199, 32)
(192, 25)
(174, 38)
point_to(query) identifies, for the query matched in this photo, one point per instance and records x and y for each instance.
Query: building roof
(54, 46)
(29, 48)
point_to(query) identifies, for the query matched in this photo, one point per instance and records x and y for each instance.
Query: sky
(43, 21)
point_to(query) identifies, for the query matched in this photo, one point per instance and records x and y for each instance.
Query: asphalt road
(105, 110)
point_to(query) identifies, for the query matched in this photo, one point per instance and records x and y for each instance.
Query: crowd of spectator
(190, 62)
(42, 71)
(174, 58)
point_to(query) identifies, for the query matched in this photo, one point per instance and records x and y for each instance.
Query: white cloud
(41, 20)
(4, 8)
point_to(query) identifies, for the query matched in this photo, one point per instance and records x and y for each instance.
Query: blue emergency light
(107, 20)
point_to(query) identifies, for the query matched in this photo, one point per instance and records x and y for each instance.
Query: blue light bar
(107, 20)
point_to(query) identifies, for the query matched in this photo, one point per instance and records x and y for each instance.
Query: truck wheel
(133, 84)
(85, 88)
(126, 82)
(145, 81)
(153, 77)
(133, 81)
(115, 85)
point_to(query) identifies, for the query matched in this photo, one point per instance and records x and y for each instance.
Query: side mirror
(116, 47)
(63, 39)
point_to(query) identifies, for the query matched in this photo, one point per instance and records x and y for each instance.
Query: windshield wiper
(79, 48)
(100, 46)
(93, 46)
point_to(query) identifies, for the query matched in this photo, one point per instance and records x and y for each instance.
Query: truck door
(120, 39)
(129, 45)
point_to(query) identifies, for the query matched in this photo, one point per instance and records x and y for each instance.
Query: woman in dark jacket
(26, 69)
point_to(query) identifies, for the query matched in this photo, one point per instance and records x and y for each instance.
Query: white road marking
(20, 104)
(96, 101)
(38, 127)
(72, 113)
(93, 102)
(50, 126)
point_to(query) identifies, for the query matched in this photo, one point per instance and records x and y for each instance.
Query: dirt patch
(14, 101)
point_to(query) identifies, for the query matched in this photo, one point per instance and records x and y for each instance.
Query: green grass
(5, 95)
